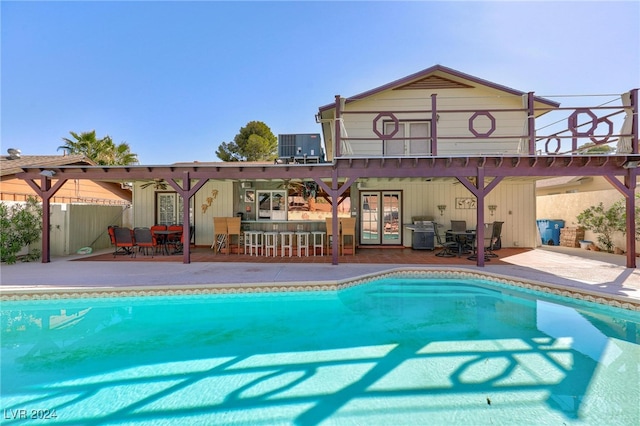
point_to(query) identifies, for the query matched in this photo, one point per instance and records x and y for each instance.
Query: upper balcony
(440, 112)
(482, 126)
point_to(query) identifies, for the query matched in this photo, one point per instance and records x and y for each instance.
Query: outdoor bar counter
(284, 225)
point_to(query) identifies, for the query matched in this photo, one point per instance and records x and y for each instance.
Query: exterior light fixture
(442, 208)
(631, 164)
(47, 173)
(492, 208)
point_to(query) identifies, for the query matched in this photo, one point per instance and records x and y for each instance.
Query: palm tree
(103, 151)
(123, 155)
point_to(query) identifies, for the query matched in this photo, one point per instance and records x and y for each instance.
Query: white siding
(450, 124)
(515, 203)
(222, 205)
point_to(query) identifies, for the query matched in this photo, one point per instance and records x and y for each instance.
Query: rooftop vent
(13, 153)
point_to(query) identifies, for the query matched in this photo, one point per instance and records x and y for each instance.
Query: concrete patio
(596, 272)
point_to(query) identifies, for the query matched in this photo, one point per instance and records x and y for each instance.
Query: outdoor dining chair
(177, 239)
(124, 240)
(157, 238)
(458, 225)
(112, 237)
(448, 247)
(144, 240)
(495, 242)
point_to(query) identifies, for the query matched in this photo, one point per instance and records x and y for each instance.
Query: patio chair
(176, 240)
(488, 229)
(458, 225)
(144, 240)
(124, 240)
(448, 247)
(112, 237)
(158, 239)
(465, 244)
(495, 242)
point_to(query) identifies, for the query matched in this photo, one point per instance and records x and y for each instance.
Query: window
(409, 129)
(272, 205)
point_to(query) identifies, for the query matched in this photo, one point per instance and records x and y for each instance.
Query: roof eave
(450, 71)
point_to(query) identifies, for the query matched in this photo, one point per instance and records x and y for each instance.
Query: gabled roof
(435, 78)
(11, 166)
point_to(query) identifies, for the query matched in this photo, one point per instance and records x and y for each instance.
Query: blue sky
(175, 79)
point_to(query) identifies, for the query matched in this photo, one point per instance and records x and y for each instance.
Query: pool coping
(53, 293)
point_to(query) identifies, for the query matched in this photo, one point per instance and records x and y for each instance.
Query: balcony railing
(533, 129)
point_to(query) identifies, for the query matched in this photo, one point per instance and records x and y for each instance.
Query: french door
(380, 213)
(169, 209)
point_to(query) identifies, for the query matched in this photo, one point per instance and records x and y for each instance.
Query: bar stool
(317, 242)
(271, 243)
(247, 242)
(286, 242)
(255, 242)
(303, 243)
(348, 229)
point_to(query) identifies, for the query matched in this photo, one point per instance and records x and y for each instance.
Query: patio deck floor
(392, 256)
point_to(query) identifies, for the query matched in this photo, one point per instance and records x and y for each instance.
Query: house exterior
(473, 117)
(438, 143)
(80, 210)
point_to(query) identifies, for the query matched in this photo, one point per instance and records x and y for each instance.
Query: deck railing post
(531, 123)
(337, 130)
(434, 125)
(634, 121)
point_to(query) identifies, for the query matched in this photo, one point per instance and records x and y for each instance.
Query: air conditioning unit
(300, 148)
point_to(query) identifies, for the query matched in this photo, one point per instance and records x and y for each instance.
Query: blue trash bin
(550, 231)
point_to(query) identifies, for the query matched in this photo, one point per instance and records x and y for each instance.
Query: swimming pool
(394, 350)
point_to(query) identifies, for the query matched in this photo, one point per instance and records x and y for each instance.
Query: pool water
(394, 351)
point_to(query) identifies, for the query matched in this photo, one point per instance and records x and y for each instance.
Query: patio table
(166, 240)
(464, 239)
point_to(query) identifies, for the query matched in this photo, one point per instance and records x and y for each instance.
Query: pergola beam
(348, 170)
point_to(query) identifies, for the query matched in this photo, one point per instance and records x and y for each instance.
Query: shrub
(604, 222)
(20, 225)
(621, 205)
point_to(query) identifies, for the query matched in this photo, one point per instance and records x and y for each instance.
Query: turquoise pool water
(395, 351)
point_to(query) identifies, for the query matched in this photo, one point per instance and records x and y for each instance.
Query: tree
(103, 151)
(255, 142)
(597, 149)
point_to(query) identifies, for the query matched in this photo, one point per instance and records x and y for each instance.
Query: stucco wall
(567, 207)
